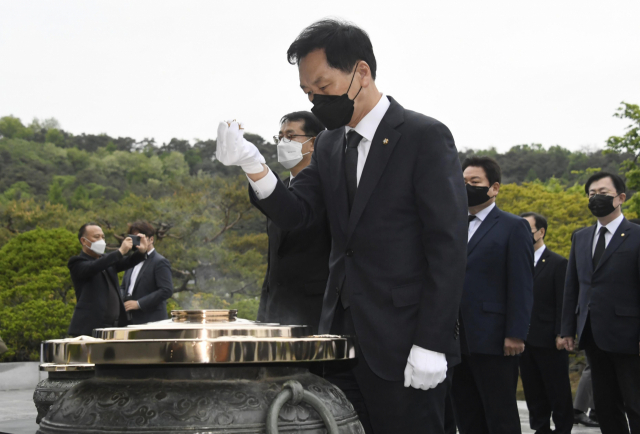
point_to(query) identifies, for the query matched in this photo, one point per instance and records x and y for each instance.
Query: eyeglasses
(287, 139)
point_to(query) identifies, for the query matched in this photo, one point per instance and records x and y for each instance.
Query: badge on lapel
(385, 141)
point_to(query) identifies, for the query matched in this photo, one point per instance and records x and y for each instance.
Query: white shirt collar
(538, 253)
(369, 124)
(485, 212)
(150, 252)
(612, 226)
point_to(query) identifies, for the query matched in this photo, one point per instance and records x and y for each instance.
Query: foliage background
(51, 182)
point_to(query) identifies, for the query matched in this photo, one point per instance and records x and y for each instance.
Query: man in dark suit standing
(298, 265)
(495, 308)
(544, 367)
(602, 304)
(390, 183)
(147, 286)
(95, 280)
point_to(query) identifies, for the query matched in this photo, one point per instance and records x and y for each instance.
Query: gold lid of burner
(198, 337)
(204, 316)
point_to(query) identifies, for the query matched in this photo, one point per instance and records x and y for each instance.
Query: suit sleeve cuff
(265, 186)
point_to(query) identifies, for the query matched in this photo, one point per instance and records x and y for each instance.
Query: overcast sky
(497, 73)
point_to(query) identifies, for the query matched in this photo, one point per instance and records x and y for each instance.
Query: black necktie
(351, 164)
(600, 246)
(470, 219)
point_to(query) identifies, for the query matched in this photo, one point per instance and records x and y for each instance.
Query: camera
(135, 239)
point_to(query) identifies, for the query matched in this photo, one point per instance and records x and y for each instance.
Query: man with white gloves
(389, 181)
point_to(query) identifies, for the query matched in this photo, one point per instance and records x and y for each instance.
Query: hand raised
(232, 149)
(144, 243)
(126, 245)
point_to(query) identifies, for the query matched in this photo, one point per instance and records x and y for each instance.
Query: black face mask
(533, 236)
(335, 111)
(601, 205)
(477, 195)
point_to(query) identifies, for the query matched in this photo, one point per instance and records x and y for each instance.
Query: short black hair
(490, 166)
(311, 125)
(618, 183)
(344, 45)
(83, 229)
(142, 227)
(541, 222)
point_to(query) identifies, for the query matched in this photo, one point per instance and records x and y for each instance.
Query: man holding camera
(147, 286)
(95, 280)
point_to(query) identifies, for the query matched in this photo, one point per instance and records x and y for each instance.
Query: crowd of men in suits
(379, 232)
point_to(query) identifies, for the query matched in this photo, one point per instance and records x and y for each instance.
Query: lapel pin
(385, 141)
(622, 235)
(544, 260)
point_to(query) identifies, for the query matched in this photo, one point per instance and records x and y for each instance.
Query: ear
(312, 143)
(623, 197)
(496, 188)
(543, 231)
(364, 72)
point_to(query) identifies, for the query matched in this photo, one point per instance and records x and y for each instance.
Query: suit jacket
(548, 293)
(608, 295)
(400, 252)
(92, 289)
(152, 288)
(297, 273)
(498, 285)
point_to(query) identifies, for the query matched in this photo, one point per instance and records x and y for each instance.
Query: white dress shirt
(135, 272)
(537, 254)
(612, 227)
(366, 128)
(476, 222)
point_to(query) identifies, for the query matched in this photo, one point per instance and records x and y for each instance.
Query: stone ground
(18, 414)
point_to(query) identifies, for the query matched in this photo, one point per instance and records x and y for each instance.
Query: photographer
(95, 280)
(148, 285)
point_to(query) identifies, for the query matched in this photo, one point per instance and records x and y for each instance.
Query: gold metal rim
(236, 349)
(54, 367)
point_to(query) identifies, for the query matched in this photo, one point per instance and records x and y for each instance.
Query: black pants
(616, 386)
(547, 389)
(484, 395)
(385, 407)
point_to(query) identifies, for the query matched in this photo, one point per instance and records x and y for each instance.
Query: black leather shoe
(583, 419)
(593, 416)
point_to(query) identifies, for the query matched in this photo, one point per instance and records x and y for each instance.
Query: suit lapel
(484, 228)
(586, 250)
(126, 279)
(542, 262)
(616, 241)
(384, 142)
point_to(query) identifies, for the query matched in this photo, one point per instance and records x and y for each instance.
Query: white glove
(425, 369)
(233, 150)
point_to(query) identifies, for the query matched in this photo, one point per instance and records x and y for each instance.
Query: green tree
(36, 293)
(629, 144)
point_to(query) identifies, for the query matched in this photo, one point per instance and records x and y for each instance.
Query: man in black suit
(95, 280)
(390, 183)
(147, 286)
(544, 364)
(298, 265)
(602, 304)
(495, 307)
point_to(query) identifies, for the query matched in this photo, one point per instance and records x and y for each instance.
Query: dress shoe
(583, 419)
